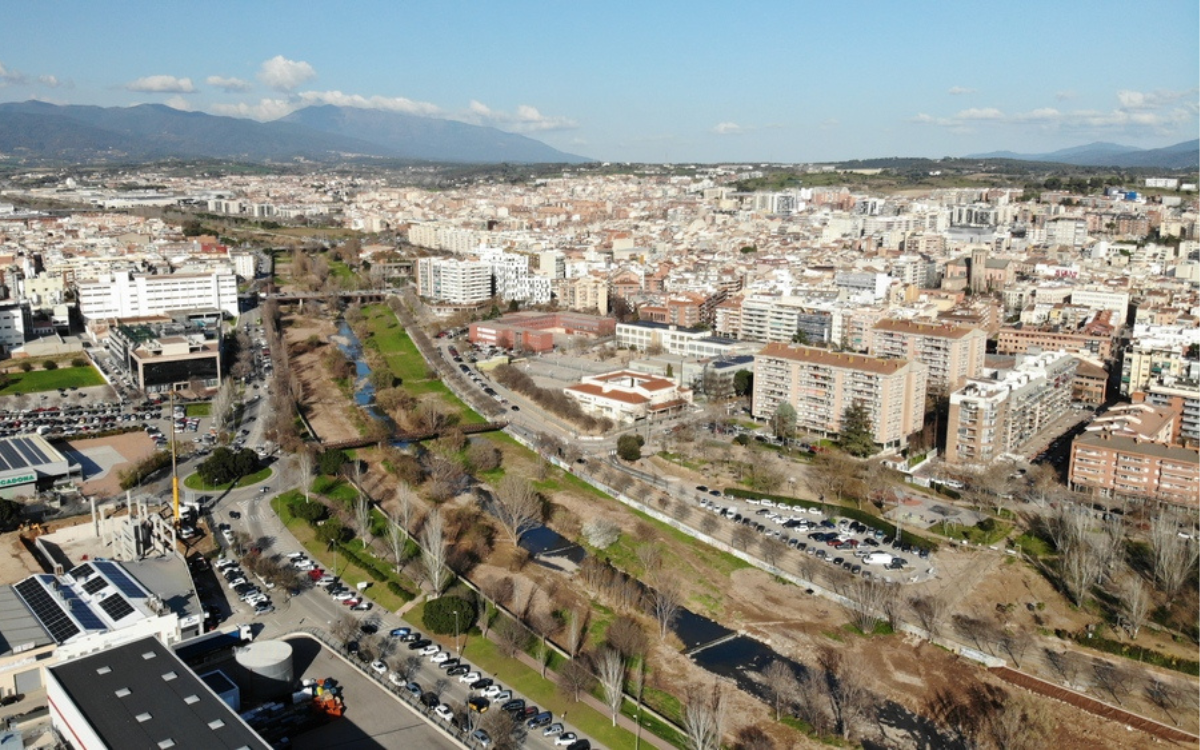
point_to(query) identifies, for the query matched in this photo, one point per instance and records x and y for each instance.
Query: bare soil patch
(132, 446)
(326, 407)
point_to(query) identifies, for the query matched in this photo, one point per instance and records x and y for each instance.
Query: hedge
(866, 519)
(1132, 651)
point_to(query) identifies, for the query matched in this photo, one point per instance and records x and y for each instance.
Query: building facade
(991, 418)
(1128, 468)
(129, 295)
(952, 353)
(453, 280)
(821, 385)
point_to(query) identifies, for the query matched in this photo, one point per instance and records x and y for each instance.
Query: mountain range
(1180, 156)
(35, 131)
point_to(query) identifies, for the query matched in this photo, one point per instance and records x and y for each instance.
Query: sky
(649, 80)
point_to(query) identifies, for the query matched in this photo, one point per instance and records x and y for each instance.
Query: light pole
(456, 646)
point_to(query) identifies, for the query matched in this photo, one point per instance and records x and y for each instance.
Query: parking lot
(838, 542)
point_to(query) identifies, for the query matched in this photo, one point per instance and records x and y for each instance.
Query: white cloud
(49, 81)
(283, 74)
(1159, 112)
(1064, 95)
(11, 77)
(960, 91)
(229, 85)
(162, 85)
(987, 113)
(264, 110)
(389, 103)
(728, 128)
(527, 119)
(180, 103)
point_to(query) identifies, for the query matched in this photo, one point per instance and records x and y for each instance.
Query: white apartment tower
(128, 295)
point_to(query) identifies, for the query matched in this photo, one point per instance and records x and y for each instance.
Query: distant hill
(428, 138)
(38, 132)
(1180, 156)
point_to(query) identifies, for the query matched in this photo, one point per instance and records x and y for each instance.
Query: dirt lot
(328, 411)
(111, 456)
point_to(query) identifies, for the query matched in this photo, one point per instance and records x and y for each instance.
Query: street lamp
(456, 646)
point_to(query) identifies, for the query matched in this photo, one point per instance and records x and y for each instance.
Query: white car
(444, 713)
(236, 582)
(342, 596)
(469, 677)
(431, 650)
(256, 598)
(553, 730)
(566, 738)
(326, 580)
(440, 657)
(491, 691)
(378, 667)
(501, 696)
(396, 679)
(295, 555)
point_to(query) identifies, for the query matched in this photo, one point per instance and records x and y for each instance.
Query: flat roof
(141, 695)
(916, 328)
(828, 358)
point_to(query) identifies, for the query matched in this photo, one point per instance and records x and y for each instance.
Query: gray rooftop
(141, 695)
(18, 626)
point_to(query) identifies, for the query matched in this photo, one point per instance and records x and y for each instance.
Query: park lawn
(335, 489)
(194, 482)
(199, 410)
(516, 675)
(347, 570)
(340, 270)
(51, 380)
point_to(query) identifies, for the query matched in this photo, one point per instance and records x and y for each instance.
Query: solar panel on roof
(13, 458)
(47, 610)
(32, 450)
(116, 607)
(123, 582)
(82, 612)
(4, 464)
(95, 585)
(80, 572)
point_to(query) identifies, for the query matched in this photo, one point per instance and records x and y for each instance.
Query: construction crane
(174, 465)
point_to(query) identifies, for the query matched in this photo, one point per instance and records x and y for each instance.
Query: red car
(352, 601)
(316, 574)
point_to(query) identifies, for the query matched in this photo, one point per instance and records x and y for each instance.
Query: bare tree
(1135, 604)
(433, 552)
(575, 677)
(1116, 678)
(830, 474)
(741, 537)
(930, 611)
(517, 506)
(704, 717)
(344, 628)
(305, 458)
(362, 517)
(1079, 567)
(846, 684)
(810, 702)
(576, 630)
(666, 599)
(222, 404)
(781, 683)
(506, 732)
(601, 533)
(511, 636)
(1022, 723)
(1016, 643)
(871, 597)
(397, 542)
(626, 636)
(406, 505)
(611, 667)
(1174, 555)
(650, 556)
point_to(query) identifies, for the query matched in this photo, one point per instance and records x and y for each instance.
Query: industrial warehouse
(29, 463)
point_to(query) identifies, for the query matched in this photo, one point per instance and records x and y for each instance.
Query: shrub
(629, 447)
(49, 365)
(79, 362)
(601, 533)
(331, 462)
(26, 366)
(309, 510)
(440, 618)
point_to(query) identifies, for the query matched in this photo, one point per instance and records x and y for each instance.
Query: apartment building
(584, 293)
(821, 385)
(460, 282)
(1184, 396)
(952, 353)
(996, 416)
(1116, 301)
(1097, 345)
(128, 295)
(513, 280)
(1129, 468)
(1151, 359)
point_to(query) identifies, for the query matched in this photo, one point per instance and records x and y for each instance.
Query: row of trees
(553, 400)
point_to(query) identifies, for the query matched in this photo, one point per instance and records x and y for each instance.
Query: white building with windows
(626, 396)
(128, 295)
(460, 282)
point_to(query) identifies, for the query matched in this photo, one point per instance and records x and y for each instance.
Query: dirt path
(327, 409)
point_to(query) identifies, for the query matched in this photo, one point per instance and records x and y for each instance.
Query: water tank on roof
(266, 668)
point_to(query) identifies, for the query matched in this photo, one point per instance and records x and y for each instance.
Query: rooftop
(824, 357)
(912, 327)
(141, 695)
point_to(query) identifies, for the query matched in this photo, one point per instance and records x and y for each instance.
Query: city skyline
(772, 82)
